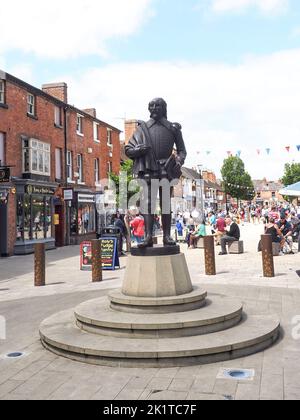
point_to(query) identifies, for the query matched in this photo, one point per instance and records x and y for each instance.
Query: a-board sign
(109, 252)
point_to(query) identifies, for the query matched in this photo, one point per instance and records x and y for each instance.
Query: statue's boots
(168, 241)
(166, 222)
(148, 243)
(149, 222)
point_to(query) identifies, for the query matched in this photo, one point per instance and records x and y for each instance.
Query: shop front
(83, 218)
(4, 211)
(34, 216)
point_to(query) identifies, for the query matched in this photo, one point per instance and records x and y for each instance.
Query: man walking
(232, 235)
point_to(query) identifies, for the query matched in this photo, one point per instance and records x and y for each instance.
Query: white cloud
(64, 29)
(254, 105)
(265, 6)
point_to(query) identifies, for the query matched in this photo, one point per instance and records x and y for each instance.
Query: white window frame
(2, 149)
(96, 132)
(109, 167)
(40, 149)
(80, 168)
(58, 163)
(109, 137)
(2, 92)
(70, 165)
(57, 116)
(31, 99)
(96, 171)
(79, 125)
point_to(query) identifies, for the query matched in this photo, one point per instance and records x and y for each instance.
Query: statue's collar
(163, 121)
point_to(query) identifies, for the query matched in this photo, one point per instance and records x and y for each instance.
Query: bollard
(267, 256)
(96, 261)
(39, 265)
(210, 259)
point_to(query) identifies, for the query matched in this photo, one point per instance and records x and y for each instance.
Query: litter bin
(112, 232)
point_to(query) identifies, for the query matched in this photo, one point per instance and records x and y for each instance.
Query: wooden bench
(236, 247)
(200, 243)
(276, 249)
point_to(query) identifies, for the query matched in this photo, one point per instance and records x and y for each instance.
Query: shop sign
(109, 253)
(86, 198)
(33, 189)
(4, 175)
(68, 194)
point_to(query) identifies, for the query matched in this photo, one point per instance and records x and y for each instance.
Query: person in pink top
(138, 228)
(273, 214)
(221, 229)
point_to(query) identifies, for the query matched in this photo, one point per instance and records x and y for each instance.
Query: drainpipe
(66, 175)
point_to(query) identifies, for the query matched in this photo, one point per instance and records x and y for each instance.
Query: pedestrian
(138, 228)
(232, 235)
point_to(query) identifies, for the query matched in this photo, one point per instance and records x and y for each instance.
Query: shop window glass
(48, 218)
(38, 217)
(27, 218)
(86, 218)
(73, 218)
(20, 218)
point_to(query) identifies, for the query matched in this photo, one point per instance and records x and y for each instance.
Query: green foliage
(237, 182)
(291, 174)
(126, 167)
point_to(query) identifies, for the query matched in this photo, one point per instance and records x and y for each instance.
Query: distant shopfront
(83, 217)
(34, 216)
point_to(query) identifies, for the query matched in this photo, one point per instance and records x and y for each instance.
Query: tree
(236, 181)
(291, 174)
(126, 167)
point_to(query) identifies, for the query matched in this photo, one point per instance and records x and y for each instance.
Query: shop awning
(291, 190)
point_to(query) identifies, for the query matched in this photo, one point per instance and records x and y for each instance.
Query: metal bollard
(96, 261)
(39, 265)
(267, 256)
(210, 258)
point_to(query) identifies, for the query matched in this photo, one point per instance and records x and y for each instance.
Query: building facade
(267, 192)
(48, 146)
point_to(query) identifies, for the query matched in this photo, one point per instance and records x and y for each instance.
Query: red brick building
(50, 145)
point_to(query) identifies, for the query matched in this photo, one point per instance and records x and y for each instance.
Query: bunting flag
(259, 152)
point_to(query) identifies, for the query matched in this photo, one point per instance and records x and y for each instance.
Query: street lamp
(201, 190)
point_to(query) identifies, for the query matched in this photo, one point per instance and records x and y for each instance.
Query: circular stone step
(97, 317)
(60, 335)
(139, 305)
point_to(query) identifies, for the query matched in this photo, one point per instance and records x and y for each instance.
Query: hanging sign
(109, 254)
(4, 175)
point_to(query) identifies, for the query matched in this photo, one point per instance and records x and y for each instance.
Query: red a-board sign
(109, 254)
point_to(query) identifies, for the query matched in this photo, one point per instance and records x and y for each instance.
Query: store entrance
(59, 228)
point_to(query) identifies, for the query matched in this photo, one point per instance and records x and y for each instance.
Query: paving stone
(181, 384)
(168, 395)
(272, 387)
(159, 384)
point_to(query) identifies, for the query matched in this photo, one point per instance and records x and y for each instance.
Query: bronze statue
(152, 150)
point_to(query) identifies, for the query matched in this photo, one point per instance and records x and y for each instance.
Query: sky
(228, 69)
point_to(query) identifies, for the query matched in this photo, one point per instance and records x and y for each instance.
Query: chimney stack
(58, 90)
(91, 111)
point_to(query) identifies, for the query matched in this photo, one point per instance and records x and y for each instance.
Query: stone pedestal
(149, 273)
(158, 320)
